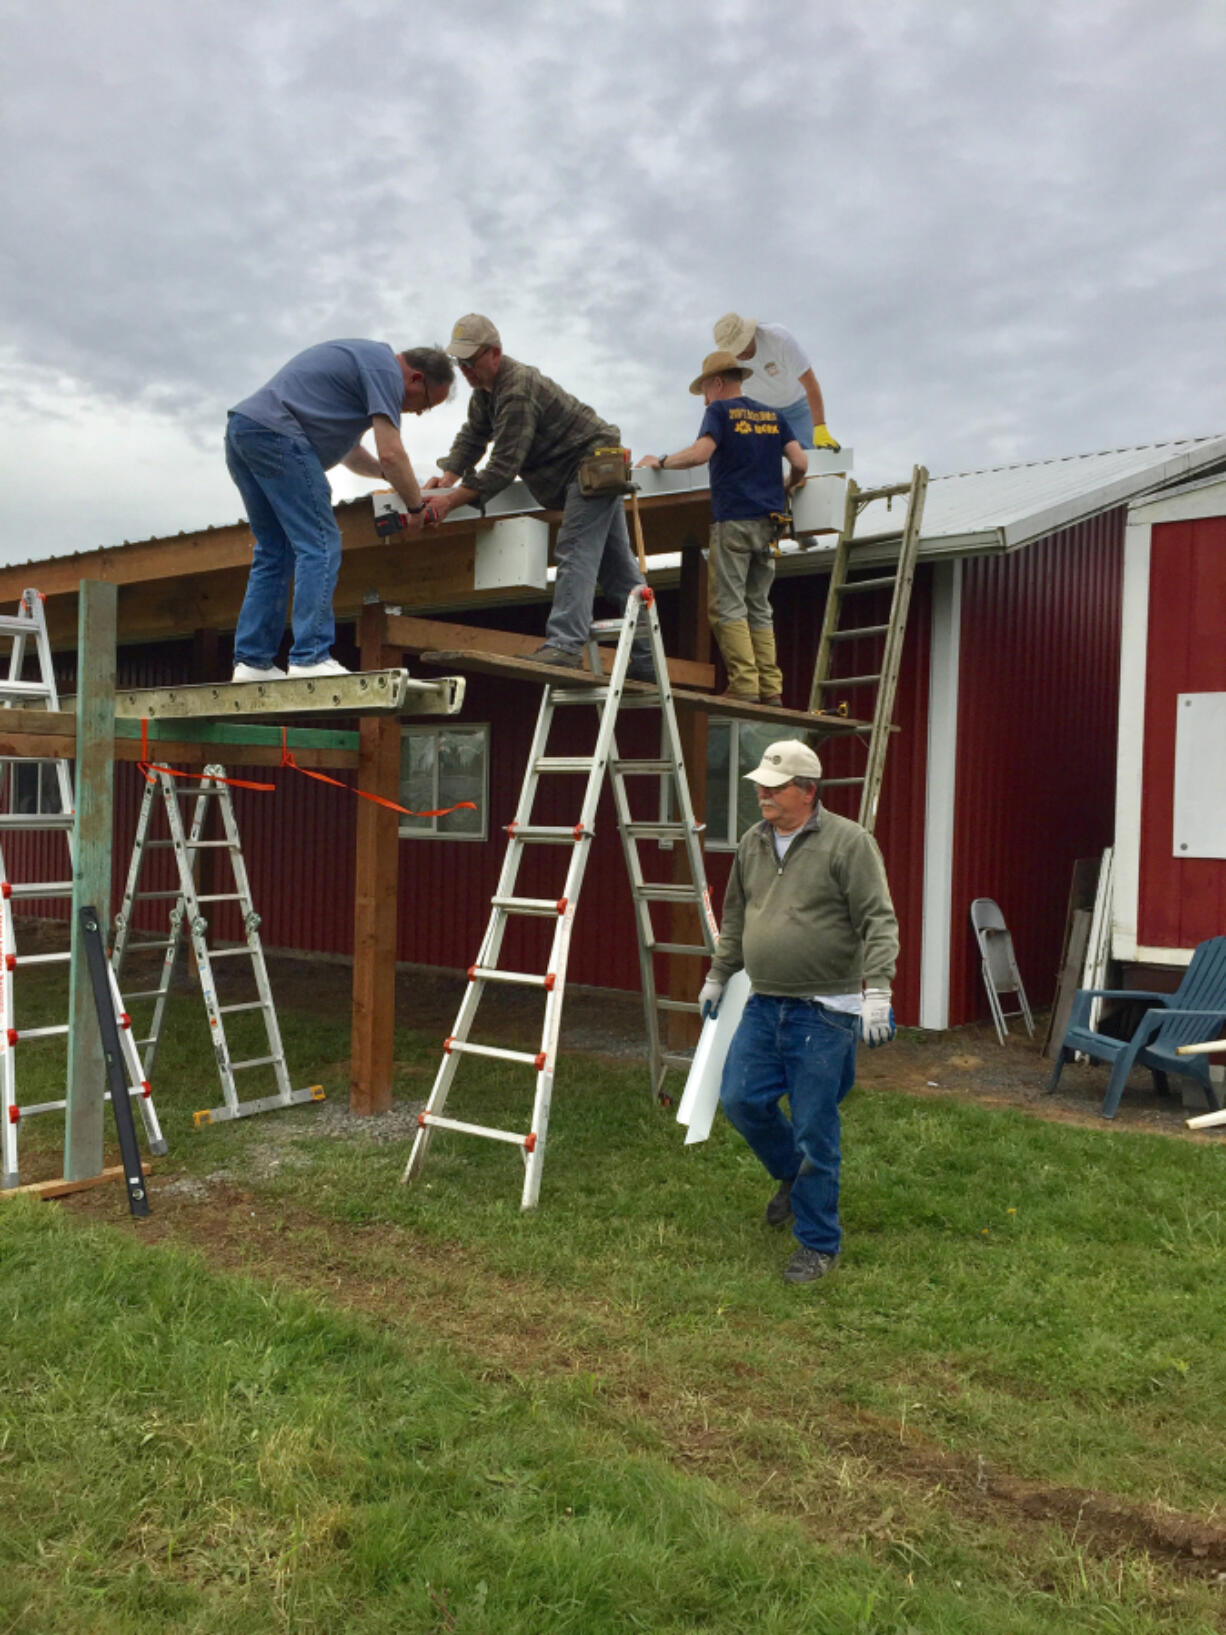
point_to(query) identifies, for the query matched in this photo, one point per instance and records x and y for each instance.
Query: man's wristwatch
(416, 510)
(662, 459)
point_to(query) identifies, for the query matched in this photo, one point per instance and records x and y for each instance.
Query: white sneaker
(325, 667)
(252, 672)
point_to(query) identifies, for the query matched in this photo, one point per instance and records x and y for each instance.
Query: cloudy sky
(997, 227)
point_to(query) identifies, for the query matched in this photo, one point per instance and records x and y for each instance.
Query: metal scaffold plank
(376, 692)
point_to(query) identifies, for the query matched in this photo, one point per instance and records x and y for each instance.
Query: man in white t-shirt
(782, 376)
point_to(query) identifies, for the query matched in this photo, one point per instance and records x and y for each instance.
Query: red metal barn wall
(1037, 716)
(1182, 900)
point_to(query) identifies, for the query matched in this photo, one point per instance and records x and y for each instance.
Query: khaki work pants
(741, 569)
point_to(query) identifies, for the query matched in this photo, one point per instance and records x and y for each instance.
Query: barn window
(733, 749)
(30, 787)
(439, 767)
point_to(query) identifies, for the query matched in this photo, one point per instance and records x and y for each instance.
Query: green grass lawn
(306, 1398)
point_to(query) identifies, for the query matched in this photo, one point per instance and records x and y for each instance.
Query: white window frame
(10, 769)
(722, 842)
(468, 729)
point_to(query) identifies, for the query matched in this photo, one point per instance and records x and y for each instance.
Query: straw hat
(718, 363)
(734, 333)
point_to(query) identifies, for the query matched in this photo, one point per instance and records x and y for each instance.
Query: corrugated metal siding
(1182, 899)
(1038, 700)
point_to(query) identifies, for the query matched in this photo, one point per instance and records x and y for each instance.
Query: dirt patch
(508, 1328)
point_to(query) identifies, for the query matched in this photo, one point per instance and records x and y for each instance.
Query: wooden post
(93, 839)
(685, 973)
(376, 879)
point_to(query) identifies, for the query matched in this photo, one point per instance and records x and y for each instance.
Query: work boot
(775, 700)
(807, 1265)
(770, 676)
(557, 656)
(736, 647)
(779, 1209)
(642, 670)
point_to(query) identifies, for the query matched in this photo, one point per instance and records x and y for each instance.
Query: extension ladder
(28, 632)
(675, 823)
(883, 679)
(210, 792)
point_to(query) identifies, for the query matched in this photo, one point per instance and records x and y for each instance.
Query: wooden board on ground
(60, 1188)
(513, 669)
(1069, 980)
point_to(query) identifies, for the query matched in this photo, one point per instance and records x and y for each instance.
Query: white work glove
(709, 998)
(877, 1018)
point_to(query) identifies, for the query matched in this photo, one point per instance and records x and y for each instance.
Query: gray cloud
(997, 229)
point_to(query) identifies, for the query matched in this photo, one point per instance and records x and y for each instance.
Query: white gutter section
(940, 793)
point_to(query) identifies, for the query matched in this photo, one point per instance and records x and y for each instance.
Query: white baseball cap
(782, 762)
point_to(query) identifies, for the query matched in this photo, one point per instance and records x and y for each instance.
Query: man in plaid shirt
(542, 434)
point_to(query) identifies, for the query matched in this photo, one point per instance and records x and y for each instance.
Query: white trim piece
(1143, 955)
(1206, 498)
(1130, 752)
(940, 791)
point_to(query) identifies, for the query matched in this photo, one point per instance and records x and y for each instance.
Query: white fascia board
(1174, 957)
(1130, 752)
(1206, 499)
(940, 794)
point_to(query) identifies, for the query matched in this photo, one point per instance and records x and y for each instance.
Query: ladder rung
(14, 624)
(564, 763)
(657, 831)
(44, 959)
(195, 791)
(681, 1063)
(59, 1106)
(256, 1061)
(633, 768)
(150, 896)
(148, 993)
(230, 953)
(860, 630)
(850, 587)
(607, 627)
(549, 833)
(677, 1005)
(204, 845)
(680, 948)
(148, 947)
(522, 979)
(40, 820)
(530, 1058)
(219, 896)
(850, 681)
(657, 892)
(227, 1010)
(837, 783)
(866, 496)
(24, 689)
(39, 888)
(55, 1032)
(436, 1121)
(551, 906)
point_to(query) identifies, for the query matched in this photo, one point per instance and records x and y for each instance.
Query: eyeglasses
(466, 364)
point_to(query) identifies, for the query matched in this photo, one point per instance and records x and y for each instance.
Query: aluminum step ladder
(674, 823)
(209, 793)
(886, 639)
(51, 800)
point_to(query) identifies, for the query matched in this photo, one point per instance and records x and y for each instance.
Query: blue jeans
(799, 417)
(593, 544)
(297, 541)
(802, 1050)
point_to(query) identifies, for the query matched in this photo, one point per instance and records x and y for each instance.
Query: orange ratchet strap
(287, 759)
(147, 769)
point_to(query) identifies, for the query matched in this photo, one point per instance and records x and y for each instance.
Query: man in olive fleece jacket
(808, 914)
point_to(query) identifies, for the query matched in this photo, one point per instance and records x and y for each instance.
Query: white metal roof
(1010, 506)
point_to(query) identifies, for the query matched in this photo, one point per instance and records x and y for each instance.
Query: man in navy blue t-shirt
(280, 441)
(745, 444)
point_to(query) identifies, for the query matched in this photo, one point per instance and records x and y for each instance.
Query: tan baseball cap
(472, 332)
(734, 333)
(782, 762)
(718, 363)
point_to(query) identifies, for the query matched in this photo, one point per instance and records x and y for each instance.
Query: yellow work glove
(823, 439)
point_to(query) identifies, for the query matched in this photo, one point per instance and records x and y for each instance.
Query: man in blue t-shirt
(745, 444)
(280, 441)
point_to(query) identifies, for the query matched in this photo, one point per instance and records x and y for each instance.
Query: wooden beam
(52, 735)
(61, 1186)
(93, 837)
(417, 635)
(376, 883)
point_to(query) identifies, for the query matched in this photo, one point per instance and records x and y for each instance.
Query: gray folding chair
(1000, 972)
